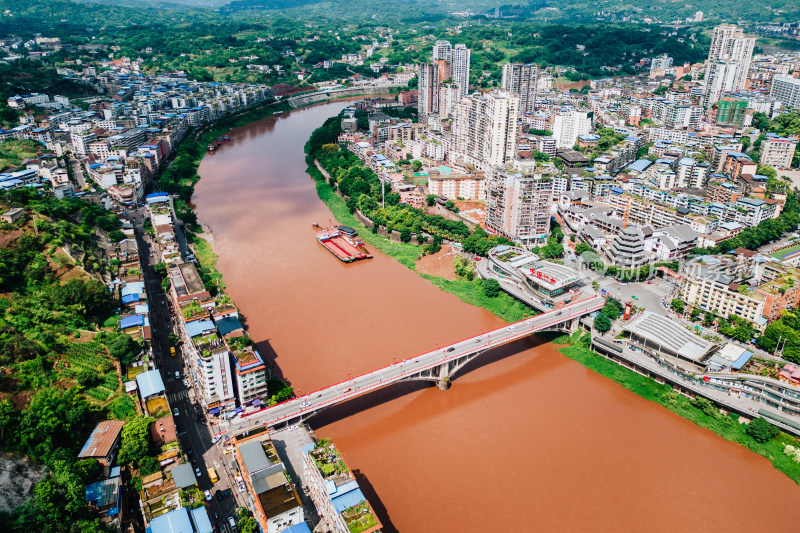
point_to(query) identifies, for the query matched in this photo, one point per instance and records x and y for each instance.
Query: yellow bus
(212, 475)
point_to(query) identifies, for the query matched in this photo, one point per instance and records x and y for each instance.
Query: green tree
(583, 247)
(491, 288)
(121, 347)
(405, 235)
(416, 165)
(430, 199)
(602, 323)
(760, 430)
(135, 440)
(678, 305)
(87, 377)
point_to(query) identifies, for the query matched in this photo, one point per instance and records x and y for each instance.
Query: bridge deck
(408, 368)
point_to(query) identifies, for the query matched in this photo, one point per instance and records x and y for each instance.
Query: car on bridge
(511, 328)
(451, 349)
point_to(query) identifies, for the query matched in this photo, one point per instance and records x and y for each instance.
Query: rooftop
(669, 335)
(102, 439)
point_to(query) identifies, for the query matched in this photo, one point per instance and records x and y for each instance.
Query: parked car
(215, 439)
(207, 495)
(232, 522)
(198, 472)
(175, 412)
(177, 374)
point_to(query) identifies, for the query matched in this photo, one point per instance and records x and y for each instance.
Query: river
(526, 440)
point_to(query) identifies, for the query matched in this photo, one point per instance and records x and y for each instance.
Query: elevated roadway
(437, 366)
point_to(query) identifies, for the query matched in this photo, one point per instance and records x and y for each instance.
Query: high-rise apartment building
(484, 129)
(569, 126)
(427, 90)
(518, 205)
(522, 80)
(459, 68)
(728, 63)
(443, 50)
(720, 78)
(786, 89)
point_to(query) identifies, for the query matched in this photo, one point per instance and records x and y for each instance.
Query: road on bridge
(307, 404)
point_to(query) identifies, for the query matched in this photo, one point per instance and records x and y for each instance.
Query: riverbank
(511, 310)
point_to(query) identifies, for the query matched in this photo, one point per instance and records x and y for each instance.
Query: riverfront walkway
(437, 366)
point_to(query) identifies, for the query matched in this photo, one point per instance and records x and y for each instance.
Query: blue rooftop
(150, 383)
(176, 521)
(348, 499)
(198, 327)
(201, 521)
(302, 527)
(228, 324)
(131, 321)
(640, 165)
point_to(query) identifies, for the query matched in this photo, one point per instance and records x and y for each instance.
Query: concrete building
(730, 111)
(518, 206)
(335, 491)
(711, 283)
(721, 77)
(459, 68)
(271, 497)
(103, 443)
(484, 129)
(786, 90)
(777, 151)
(567, 127)
(456, 185)
(428, 90)
(522, 80)
(627, 248)
(251, 377)
(729, 44)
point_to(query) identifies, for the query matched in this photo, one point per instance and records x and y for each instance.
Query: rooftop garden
(328, 461)
(359, 517)
(193, 310)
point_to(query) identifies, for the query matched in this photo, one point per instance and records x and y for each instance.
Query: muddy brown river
(525, 440)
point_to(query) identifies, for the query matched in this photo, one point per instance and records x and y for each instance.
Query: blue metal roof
(150, 383)
(130, 298)
(131, 321)
(198, 327)
(348, 499)
(228, 324)
(202, 523)
(176, 521)
(640, 165)
(105, 493)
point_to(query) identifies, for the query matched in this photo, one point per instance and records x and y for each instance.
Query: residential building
(335, 492)
(777, 151)
(671, 242)
(567, 127)
(459, 68)
(786, 89)
(721, 77)
(518, 206)
(103, 443)
(728, 43)
(452, 185)
(484, 129)
(522, 80)
(251, 377)
(711, 283)
(271, 496)
(428, 90)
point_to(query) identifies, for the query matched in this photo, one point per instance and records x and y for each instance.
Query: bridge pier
(443, 381)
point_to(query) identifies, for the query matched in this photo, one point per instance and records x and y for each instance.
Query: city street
(196, 436)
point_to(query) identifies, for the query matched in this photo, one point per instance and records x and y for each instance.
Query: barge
(346, 248)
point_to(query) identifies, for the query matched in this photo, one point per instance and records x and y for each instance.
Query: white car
(511, 328)
(175, 411)
(186, 383)
(305, 404)
(207, 495)
(198, 472)
(529, 321)
(216, 439)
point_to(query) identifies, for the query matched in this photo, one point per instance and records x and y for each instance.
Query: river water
(526, 440)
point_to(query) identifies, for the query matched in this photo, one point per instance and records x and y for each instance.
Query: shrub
(761, 431)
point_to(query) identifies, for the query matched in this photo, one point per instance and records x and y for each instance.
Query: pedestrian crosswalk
(175, 396)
